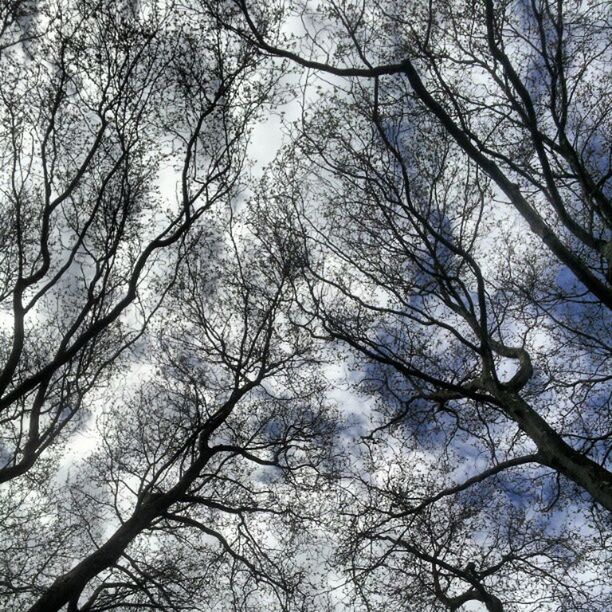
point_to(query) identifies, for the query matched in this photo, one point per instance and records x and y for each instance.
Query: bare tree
(192, 460)
(124, 127)
(447, 200)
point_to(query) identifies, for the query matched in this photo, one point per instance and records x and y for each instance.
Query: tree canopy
(372, 373)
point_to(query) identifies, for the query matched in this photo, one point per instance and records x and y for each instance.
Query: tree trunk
(72, 583)
(559, 455)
